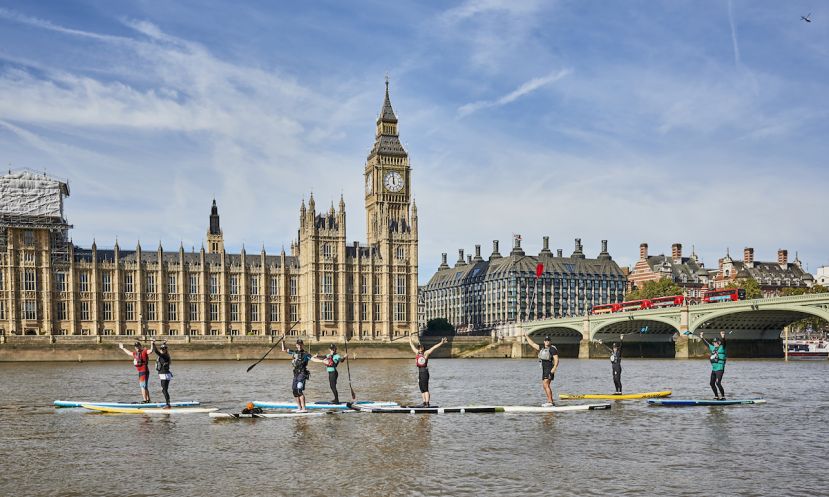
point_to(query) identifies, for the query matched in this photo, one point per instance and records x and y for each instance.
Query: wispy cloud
(525, 89)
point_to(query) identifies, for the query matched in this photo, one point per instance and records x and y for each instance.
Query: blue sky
(700, 122)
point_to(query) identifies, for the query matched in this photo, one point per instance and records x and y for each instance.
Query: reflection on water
(775, 449)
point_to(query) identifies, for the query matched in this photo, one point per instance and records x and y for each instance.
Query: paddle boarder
(548, 357)
(162, 366)
(299, 361)
(331, 361)
(141, 361)
(717, 358)
(422, 363)
(616, 362)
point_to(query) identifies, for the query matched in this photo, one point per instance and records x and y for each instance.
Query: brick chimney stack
(748, 255)
(676, 252)
(782, 257)
(643, 251)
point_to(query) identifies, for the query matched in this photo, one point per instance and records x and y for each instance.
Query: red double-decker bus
(671, 301)
(606, 308)
(726, 295)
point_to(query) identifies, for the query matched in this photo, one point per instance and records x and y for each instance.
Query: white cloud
(525, 89)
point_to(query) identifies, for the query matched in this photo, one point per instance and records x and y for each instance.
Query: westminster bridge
(753, 327)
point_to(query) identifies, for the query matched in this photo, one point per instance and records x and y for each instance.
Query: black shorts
(546, 370)
(423, 379)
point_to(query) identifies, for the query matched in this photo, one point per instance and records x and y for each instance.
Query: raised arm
(121, 346)
(701, 333)
(605, 345)
(411, 344)
(435, 346)
(316, 358)
(532, 342)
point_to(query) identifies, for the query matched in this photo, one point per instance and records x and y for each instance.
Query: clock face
(369, 184)
(393, 181)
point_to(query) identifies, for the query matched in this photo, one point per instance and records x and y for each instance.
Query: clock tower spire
(387, 178)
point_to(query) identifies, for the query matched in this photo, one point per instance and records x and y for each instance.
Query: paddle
(270, 349)
(348, 370)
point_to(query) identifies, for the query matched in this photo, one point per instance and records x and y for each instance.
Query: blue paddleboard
(72, 403)
(692, 402)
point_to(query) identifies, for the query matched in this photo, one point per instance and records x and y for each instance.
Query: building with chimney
(771, 276)
(477, 294)
(324, 287)
(689, 273)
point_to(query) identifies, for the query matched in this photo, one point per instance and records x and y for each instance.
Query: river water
(633, 449)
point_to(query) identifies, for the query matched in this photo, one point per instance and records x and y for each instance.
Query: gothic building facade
(325, 287)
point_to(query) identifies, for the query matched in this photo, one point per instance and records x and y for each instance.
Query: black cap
(137, 344)
(333, 346)
(299, 340)
(547, 338)
(163, 345)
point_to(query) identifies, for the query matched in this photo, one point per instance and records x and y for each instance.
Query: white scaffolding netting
(31, 194)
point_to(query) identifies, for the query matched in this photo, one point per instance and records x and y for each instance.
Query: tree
(663, 287)
(750, 285)
(439, 326)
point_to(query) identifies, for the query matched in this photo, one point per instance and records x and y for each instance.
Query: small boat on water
(808, 349)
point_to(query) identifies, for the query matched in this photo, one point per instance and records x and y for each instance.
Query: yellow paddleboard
(149, 410)
(627, 396)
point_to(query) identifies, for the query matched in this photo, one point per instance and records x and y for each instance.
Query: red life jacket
(140, 360)
(421, 360)
(329, 361)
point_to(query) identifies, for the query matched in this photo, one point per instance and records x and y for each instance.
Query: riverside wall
(105, 348)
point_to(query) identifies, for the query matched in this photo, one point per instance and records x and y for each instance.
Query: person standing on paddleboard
(422, 363)
(331, 361)
(162, 366)
(616, 362)
(548, 357)
(141, 361)
(718, 358)
(299, 361)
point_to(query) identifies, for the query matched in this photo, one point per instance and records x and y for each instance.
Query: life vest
(139, 359)
(329, 361)
(717, 355)
(546, 353)
(300, 362)
(614, 357)
(421, 360)
(162, 363)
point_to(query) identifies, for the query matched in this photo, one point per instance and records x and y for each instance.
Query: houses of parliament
(325, 288)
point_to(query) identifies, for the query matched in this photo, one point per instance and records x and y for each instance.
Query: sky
(700, 122)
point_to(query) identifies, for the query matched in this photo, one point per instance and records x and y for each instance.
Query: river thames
(633, 449)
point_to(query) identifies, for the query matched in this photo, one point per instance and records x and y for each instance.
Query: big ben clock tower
(387, 176)
(391, 222)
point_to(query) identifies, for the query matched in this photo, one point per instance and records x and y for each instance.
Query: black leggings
(332, 382)
(716, 382)
(617, 378)
(164, 385)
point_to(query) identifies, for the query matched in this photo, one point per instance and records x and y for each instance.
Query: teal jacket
(718, 363)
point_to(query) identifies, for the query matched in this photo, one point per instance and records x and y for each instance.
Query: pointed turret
(215, 237)
(387, 112)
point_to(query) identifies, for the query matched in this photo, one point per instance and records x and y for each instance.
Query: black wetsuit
(616, 362)
(162, 365)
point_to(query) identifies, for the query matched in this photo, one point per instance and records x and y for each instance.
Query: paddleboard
(609, 396)
(692, 402)
(478, 409)
(74, 403)
(235, 415)
(322, 405)
(150, 410)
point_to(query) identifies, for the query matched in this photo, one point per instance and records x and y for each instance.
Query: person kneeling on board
(616, 362)
(718, 358)
(251, 409)
(331, 361)
(548, 357)
(141, 360)
(162, 365)
(422, 363)
(299, 362)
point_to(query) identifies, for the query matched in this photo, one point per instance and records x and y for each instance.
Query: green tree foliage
(663, 287)
(750, 285)
(439, 326)
(812, 323)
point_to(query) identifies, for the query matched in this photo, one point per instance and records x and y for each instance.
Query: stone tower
(215, 238)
